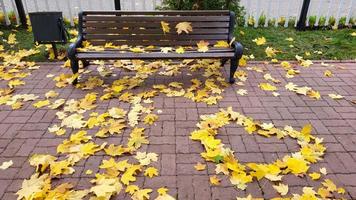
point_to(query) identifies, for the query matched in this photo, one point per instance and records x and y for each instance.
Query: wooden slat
(155, 37)
(158, 18)
(150, 42)
(106, 56)
(138, 31)
(153, 24)
(192, 50)
(182, 12)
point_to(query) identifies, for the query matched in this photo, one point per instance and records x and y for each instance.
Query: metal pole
(21, 12)
(117, 5)
(303, 15)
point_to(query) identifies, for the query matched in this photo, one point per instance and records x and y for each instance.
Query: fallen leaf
(165, 27)
(150, 172)
(199, 166)
(336, 96)
(282, 189)
(203, 46)
(267, 87)
(6, 164)
(241, 92)
(315, 176)
(260, 41)
(184, 27)
(214, 180)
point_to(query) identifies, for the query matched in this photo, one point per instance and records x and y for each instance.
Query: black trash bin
(48, 28)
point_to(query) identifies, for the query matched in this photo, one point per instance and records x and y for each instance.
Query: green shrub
(281, 21)
(291, 21)
(12, 17)
(342, 21)
(250, 21)
(322, 21)
(233, 5)
(262, 20)
(332, 21)
(271, 22)
(312, 21)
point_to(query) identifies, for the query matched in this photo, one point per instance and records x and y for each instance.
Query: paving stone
(24, 132)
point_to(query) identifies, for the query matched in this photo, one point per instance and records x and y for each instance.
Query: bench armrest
(71, 51)
(238, 49)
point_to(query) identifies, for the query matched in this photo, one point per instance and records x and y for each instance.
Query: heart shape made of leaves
(311, 149)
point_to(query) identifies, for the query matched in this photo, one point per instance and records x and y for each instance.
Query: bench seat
(112, 55)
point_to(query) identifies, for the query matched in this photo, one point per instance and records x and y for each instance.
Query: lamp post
(117, 5)
(303, 15)
(21, 12)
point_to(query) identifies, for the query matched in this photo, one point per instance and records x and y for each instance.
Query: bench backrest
(144, 27)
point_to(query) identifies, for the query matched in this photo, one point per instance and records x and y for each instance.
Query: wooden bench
(144, 28)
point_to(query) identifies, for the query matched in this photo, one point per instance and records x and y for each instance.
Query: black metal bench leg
(233, 67)
(85, 63)
(235, 61)
(75, 68)
(223, 61)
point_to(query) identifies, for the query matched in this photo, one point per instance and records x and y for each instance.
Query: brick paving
(24, 132)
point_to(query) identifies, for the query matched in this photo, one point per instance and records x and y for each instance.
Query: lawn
(321, 44)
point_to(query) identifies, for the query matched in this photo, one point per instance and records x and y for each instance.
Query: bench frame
(237, 48)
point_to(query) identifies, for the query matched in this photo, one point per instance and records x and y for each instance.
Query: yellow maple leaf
(260, 41)
(113, 150)
(199, 166)
(165, 27)
(51, 94)
(184, 27)
(106, 187)
(313, 94)
(40, 104)
(146, 158)
(33, 186)
(267, 87)
(41, 161)
(203, 46)
(11, 39)
(142, 194)
(150, 172)
(214, 180)
(328, 73)
(129, 175)
(137, 138)
(180, 50)
(297, 165)
(150, 119)
(137, 50)
(16, 82)
(270, 52)
(162, 191)
(282, 189)
(314, 176)
(221, 44)
(131, 189)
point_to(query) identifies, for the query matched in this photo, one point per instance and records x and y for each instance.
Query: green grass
(334, 44)
(25, 41)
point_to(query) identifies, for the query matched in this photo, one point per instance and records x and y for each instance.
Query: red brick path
(24, 132)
